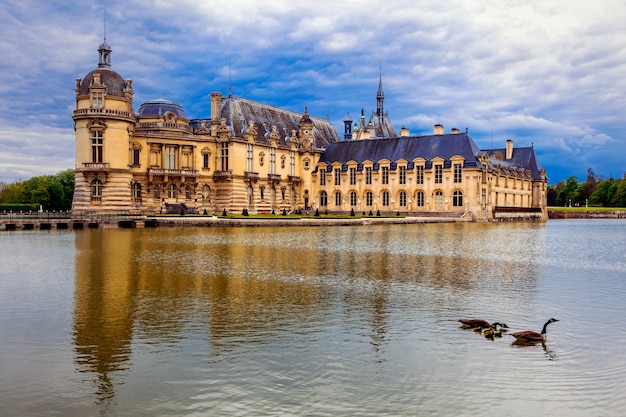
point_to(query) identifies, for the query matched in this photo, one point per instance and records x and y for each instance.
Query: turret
(103, 121)
(305, 131)
(347, 127)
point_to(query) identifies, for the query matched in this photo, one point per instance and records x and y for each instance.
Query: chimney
(438, 129)
(454, 130)
(509, 149)
(216, 107)
(404, 131)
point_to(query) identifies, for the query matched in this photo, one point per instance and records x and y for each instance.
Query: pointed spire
(380, 96)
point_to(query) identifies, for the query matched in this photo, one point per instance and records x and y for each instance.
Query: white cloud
(548, 73)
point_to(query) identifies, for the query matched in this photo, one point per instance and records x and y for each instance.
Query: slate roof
(157, 108)
(114, 82)
(238, 111)
(522, 158)
(383, 128)
(406, 147)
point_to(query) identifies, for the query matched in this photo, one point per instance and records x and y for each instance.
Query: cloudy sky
(550, 74)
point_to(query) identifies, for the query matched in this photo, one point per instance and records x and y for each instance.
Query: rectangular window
(352, 176)
(96, 146)
(170, 157)
(420, 175)
(353, 199)
(368, 175)
(402, 178)
(136, 157)
(323, 176)
(369, 199)
(438, 174)
(272, 160)
(337, 176)
(224, 155)
(458, 173)
(97, 99)
(137, 191)
(205, 160)
(249, 157)
(338, 199)
(385, 173)
(385, 198)
(402, 199)
(292, 164)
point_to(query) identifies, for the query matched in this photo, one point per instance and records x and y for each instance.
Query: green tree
(62, 190)
(52, 192)
(12, 193)
(618, 199)
(599, 197)
(568, 192)
(552, 194)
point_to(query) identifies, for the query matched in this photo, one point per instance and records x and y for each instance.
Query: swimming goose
(480, 324)
(492, 332)
(528, 336)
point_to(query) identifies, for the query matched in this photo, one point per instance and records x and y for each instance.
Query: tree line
(593, 192)
(50, 192)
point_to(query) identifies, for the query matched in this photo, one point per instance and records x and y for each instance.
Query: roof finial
(105, 21)
(230, 78)
(105, 48)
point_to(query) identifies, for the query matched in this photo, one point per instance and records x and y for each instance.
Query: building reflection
(144, 290)
(103, 308)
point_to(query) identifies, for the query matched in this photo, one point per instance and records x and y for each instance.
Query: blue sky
(544, 73)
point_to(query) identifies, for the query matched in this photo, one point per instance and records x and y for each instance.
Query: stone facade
(256, 157)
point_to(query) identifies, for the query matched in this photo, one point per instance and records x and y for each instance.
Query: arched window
(188, 192)
(369, 198)
(385, 198)
(402, 198)
(457, 198)
(353, 198)
(206, 192)
(96, 190)
(323, 199)
(157, 191)
(171, 191)
(338, 199)
(420, 198)
(438, 200)
(137, 191)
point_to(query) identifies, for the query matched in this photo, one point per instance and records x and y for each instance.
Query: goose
(528, 336)
(480, 324)
(492, 332)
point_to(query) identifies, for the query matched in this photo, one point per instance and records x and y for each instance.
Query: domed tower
(103, 121)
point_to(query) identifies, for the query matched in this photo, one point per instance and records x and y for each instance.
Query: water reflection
(147, 292)
(103, 310)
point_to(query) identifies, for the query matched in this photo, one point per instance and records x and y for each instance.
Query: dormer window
(97, 99)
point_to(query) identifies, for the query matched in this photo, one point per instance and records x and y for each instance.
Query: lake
(313, 321)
